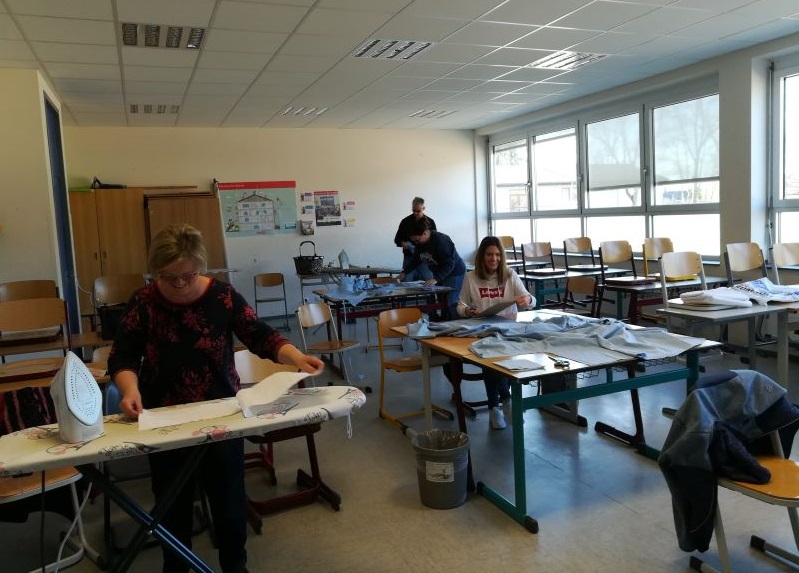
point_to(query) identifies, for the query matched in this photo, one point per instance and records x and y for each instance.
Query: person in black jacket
(403, 236)
(435, 261)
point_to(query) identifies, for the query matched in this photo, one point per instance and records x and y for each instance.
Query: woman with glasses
(174, 345)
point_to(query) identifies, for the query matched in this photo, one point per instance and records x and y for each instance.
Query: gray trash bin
(441, 463)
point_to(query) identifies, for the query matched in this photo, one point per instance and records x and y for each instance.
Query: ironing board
(40, 448)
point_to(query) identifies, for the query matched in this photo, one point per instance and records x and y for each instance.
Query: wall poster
(258, 208)
(327, 205)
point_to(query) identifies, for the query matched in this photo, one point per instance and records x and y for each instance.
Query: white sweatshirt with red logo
(481, 294)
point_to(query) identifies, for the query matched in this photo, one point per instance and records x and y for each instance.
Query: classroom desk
(434, 350)
(427, 299)
(783, 311)
(650, 294)
(541, 289)
(40, 448)
(325, 275)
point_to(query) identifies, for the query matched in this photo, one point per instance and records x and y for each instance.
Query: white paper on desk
(519, 364)
(495, 309)
(267, 390)
(174, 416)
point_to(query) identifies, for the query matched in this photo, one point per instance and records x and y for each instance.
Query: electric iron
(78, 401)
(343, 259)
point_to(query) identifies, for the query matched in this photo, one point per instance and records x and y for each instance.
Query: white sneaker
(497, 418)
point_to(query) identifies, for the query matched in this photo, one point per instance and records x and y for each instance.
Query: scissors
(559, 362)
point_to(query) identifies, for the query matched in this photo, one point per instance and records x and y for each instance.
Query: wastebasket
(441, 465)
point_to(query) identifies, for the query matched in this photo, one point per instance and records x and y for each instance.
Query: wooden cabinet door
(120, 215)
(204, 214)
(201, 212)
(85, 244)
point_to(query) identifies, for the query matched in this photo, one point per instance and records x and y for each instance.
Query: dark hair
(419, 226)
(417, 201)
(480, 263)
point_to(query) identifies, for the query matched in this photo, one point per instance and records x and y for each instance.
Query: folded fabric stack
(763, 291)
(721, 296)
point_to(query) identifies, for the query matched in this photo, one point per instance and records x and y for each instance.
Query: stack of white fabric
(723, 296)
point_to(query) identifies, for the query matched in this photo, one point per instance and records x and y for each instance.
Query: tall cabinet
(109, 234)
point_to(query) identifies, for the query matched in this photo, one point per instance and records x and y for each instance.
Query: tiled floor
(601, 507)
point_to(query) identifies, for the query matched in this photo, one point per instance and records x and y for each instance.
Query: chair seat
(404, 363)
(784, 476)
(14, 488)
(332, 346)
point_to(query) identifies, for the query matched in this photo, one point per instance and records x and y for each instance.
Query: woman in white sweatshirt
(489, 283)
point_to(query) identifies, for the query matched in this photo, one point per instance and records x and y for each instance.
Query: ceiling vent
(303, 110)
(565, 61)
(401, 50)
(157, 36)
(431, 113)
(153, 108)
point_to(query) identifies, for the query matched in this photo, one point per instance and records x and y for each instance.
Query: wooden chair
(744, 262)
(23, 488)
(369, 344)
(582, 247)
(34, 325)
(653, 248)
(585, 287)
(253, 369)
(110, 294)
(313, 315)
(405, 363)
(784, 255)
(509, 244)
(680, 264)
(613, 253)
(16, 290)
(270, 282)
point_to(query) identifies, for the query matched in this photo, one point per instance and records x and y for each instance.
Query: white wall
(27, 227)
(382, 170)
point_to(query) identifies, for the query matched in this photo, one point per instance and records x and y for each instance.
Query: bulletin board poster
(251, 208)
(327, 205)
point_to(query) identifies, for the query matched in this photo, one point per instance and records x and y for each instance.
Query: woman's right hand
(130, 404)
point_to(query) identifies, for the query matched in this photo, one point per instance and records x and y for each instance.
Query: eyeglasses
(173, 279)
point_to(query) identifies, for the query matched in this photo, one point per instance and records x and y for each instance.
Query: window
(510, 175)
(785, 125)
(648, 168)
(614, 163)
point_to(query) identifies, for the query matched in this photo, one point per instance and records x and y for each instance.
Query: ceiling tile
(665, 20)
(554, 38)
(319, 45)
(490, 33)
(67, 30)
(88, 9)
(9, 30)
(166, 12)
(425, 69)
(453, 53)
(521, 12)
(257, 17)
(87, 71)
(301, 64)
(156, 74)
(602, 15)
(165, 88)
(711, 5)
(77, 53)
(416, 28)
(16, 50)
(610, 43)
(453, 84)
(91, 87)
(350, 23)
(234, 41)
(233, 60)
(445, 8)
(513, 56)
(480, 72)
(207, 75)
(531, 75)
(301, 79)
(167, 57)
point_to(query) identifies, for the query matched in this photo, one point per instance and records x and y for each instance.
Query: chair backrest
(653, 248)
(388, 319)
(252, 368)
(29, 321)
(784, 255)
(509, 244)
(578, 246)
(16, 290)
(315, 314)
(615, 252)
(744, 258)
(586, 287)
(538, 252)
(680, 265)
(268, 279)
(116, 289)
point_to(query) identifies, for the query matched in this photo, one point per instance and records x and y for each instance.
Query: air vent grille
(401, 50)
(431, 113)
(157, 36)
(145, 108)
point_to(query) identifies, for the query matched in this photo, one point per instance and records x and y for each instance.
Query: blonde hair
(181, 241)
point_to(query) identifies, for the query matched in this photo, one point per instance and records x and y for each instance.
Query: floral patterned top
(184, 352)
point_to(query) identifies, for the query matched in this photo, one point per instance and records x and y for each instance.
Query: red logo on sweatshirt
(493, 292)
